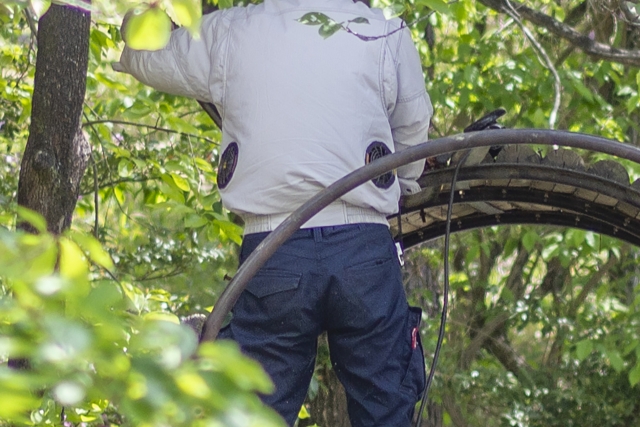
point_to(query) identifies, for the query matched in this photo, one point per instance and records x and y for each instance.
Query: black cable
(445, 296)
(345, 184)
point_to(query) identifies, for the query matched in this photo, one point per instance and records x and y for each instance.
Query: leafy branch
(152, 127)
(582, 41)
(329, 27)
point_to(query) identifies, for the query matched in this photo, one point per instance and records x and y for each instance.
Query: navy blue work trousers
(345, 280)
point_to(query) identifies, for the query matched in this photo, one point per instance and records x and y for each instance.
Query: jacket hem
(340, 213)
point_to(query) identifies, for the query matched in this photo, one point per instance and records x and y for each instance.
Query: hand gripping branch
(385, 164)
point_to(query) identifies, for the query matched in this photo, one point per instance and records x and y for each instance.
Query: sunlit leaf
(231, 230)
(162, 316)
(193, 384)
(187, 13)
(225, 4)
(73, 264)
(439, 6)
(36, 220)
(314, 18)
(93, 248)
(303, 414)
(148, 29)
(180, 182)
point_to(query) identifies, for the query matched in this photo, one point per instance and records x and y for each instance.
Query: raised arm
(184, 67)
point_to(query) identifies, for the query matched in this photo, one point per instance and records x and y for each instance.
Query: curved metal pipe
(432, 148)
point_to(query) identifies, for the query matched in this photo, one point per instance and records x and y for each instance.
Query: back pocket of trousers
(270, 282)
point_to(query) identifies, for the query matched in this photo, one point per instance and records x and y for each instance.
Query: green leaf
(576, 237)
(193, 384)
(36, 220)
(583, 349)
(360, 20)
(584, 91)
(591, 239)
(188, 14)
(73, 264)
(633, 103)
(16, 403)
(161, 316)
(93, 248)
(634, 375)
(203, 165)
(314, 18)
(230, 230)
(125, 168)
(329, 29)
(195, 221)
(510, 246)
(180, 182)
(148, 30)
(394, 10)
(303, 414)
(507, 295)
(118, 193)
(170, 188)
(616, 361)
(631, 346)
(181, 125)
(473, 253)
(529, 240)
(244, 372)
(439, 6)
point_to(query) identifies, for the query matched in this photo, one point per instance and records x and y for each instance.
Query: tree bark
(329, 408)
(56, 154)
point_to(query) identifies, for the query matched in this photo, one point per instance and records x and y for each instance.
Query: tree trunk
(329, 408)
(57, 153)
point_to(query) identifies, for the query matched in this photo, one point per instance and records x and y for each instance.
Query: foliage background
(543, 325)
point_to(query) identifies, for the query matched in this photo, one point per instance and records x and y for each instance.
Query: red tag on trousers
(414, 338)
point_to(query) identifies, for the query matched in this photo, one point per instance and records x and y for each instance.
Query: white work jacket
(300, 111)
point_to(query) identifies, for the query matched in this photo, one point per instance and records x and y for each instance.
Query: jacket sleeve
(183, 67)
(412, 112)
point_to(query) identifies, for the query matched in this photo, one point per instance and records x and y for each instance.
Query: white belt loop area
(337, 213)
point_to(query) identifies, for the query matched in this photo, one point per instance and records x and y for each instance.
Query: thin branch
(96, 198)
(544, 59)
(155, 128)
(120, 181)
(529, 277)
(148, 277)
(372, 38)
(594, 280)
(453, 409)
(32, 19)
(514, 281)
(584, 42)
(104, 153)
(510, 359)
(489, 328)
